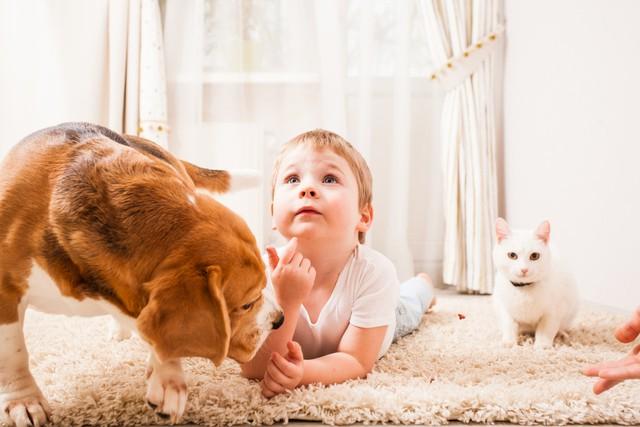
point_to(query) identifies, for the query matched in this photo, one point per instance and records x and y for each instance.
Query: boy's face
(316, 197)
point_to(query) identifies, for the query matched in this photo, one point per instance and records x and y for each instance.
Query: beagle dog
(93, 222)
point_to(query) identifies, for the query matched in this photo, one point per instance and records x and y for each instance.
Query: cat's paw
(508, 342)
(542, 344)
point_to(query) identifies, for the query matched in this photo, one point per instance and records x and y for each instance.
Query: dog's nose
(278, 322)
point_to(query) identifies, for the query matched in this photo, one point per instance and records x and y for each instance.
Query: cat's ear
(502, 229)
(543, 231)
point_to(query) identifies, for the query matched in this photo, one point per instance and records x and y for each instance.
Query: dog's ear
(220, 313)
(187, 317)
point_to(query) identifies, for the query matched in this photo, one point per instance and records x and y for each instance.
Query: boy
(339, 297)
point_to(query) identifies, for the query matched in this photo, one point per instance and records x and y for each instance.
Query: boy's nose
(307, 192)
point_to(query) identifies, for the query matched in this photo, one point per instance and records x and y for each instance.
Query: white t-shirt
(366, 295)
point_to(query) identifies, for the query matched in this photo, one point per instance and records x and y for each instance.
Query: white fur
(44, 295)
(20, 396)
(166, 387)
(243, 178)
(545, 307)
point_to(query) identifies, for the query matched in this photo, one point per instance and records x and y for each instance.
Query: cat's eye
(512, 255)
(534, 256)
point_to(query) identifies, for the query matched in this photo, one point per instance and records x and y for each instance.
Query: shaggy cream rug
(452, 368)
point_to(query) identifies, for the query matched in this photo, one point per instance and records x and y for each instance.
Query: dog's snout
(278, 322)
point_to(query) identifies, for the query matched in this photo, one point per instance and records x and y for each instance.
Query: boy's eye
(293, 179)
(512, 255)
(330, 179)
(534, 256)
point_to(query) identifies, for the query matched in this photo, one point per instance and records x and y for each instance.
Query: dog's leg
(166, 388)
(20, 397)
(117, 331)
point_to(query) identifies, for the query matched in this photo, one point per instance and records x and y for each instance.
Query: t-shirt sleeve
(377, 296)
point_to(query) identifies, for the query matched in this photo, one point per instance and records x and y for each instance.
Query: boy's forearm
(332, 369)
(275, 342)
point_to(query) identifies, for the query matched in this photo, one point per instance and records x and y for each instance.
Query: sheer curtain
(98, 61)
(467, 42)
(245, 76)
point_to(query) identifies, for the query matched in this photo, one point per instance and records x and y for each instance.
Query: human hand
(283, 373)
(292, 275)
(614, 372)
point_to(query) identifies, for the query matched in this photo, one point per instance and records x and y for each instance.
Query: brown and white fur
(533, 292)
(92, 223)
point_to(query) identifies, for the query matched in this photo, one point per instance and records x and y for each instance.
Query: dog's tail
(222, 181)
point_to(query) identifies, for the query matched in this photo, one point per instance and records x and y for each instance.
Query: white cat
(532, 292)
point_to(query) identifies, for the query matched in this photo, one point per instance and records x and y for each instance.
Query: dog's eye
(534, 256)
(248, 306)
(512, 255)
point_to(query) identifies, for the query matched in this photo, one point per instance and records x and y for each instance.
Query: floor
(439, 291)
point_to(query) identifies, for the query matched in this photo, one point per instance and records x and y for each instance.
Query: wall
(571, 136)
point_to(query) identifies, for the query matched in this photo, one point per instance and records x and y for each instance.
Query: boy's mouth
(307, 210)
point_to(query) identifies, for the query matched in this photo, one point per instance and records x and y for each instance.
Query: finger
(629, 360)
(627, 372)
(284, 366)
(289, 250)
(306, 264)
(265, 390)
(604, 385)
(591, 370)
(276, 374)
(272, 385)
(296, 260)
(295, 352)
(630, 330)
(312, 272)
(273, 257)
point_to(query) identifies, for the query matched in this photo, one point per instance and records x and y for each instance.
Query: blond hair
(320, 139)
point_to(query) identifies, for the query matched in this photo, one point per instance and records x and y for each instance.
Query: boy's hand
(283, 373)
(612, 373)
(292, 275)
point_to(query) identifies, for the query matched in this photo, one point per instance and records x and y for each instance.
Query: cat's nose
(524, 271)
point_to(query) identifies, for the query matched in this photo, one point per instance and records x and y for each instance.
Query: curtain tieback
(459, 67)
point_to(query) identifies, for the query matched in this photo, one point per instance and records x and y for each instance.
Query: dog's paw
(167, 390)
(117, 332)
(28, 411)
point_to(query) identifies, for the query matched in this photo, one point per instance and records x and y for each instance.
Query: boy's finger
(271, 384)
(273, 257)
(275, 373)
(265, 390)
(630, 330)
(289, 250)
(284, 366)
(295, 352)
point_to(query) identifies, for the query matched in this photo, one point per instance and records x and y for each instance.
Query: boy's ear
(366, 218)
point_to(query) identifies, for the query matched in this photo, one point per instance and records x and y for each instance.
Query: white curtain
(98, 61)
(244, 76)
(466, 38)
